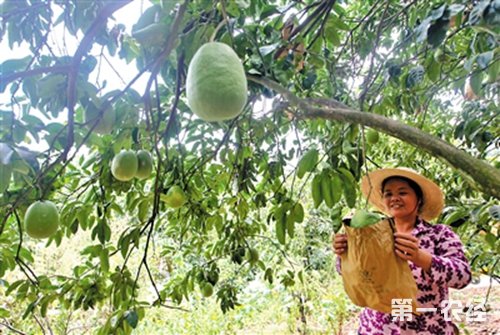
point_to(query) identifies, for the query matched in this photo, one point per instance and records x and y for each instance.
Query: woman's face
(400, 199)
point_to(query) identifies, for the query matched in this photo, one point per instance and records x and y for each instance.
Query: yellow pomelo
(216, 85)
(175, 197)
(5, 176)
(41, 219)
(145, 164)
(124, 165)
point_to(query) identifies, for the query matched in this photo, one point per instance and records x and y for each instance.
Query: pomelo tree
(423, 74)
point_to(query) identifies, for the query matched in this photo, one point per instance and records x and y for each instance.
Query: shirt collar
(421, 227)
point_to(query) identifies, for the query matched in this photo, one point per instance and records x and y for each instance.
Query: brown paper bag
(372, 273)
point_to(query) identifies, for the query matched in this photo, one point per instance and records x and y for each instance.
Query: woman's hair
(414, 186)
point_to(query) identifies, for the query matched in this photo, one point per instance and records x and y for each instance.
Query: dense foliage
(424, 75)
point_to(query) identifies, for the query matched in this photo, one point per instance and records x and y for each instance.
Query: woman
(434, 252)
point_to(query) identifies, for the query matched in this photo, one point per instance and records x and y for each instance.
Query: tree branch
(9, 327)
(479, 171)
(82, 50)
(6, 79)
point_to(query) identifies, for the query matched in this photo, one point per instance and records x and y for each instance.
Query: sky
(64, 43)
(127, 15)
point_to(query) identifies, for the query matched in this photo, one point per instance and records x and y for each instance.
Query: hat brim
(371, 187)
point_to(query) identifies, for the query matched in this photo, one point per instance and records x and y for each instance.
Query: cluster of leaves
(392, 58)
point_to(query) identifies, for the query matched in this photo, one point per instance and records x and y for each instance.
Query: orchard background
(324, 79)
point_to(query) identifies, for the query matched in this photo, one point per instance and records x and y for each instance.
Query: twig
(6, 79)
(24, 267)
(9, 327)
(169, 45)
(372, 57)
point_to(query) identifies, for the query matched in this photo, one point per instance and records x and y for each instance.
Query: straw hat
(432, 194)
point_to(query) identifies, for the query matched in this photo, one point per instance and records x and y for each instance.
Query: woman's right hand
(339, 243)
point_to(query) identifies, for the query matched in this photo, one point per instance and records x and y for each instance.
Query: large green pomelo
(175, 197)
(105, 124)
(124, 165)
(145, 166)
(216, 85)
(5, 176)
(41, 219)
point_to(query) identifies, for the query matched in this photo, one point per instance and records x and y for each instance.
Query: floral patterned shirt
(449, 268)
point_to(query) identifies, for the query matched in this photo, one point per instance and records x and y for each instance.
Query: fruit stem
(212, 38)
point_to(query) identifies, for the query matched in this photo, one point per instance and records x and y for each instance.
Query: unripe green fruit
(124, 165)
(216, 85)
(41, 219)
(252, 255)
(145, 164)
(175, 197)
(362, 218)
(207, 290)
(5, 176)
(372, 136)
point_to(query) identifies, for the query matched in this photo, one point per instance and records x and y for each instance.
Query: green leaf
(436, 33)
(491, 239)
(415, 76)
(421, 30)
(349, 187)
(307, 162)
(454, 216)
(14, 65)
(267, 49)
(4, 313)
(143, 210)
(14, 286)
(433, 69)
(331, 32)
(476, 14)
(280, 216)
(5, 153)
(104, 260)
(298, 213)
(132, 318)
(475, 81)
(336, 187)
(454, 9)
(437, 13)
(124, 244)
(268, 275)
(29, 309)
(290, 224)
(484, 59)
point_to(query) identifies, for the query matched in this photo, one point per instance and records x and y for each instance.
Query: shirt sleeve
(449, 265)
(338, 265)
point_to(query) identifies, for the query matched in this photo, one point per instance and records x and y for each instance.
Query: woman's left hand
(407, 246)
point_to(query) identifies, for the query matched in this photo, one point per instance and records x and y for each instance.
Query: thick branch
(483, 174)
